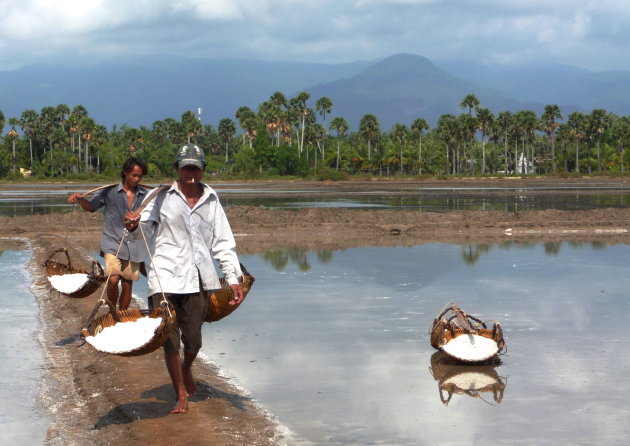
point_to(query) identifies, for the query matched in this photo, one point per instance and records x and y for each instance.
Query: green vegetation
(288, 138)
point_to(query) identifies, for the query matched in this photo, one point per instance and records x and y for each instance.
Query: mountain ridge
(397, 89)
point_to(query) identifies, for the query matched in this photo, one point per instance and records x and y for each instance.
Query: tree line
(294, 136)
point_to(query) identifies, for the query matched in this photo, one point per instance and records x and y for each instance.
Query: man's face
(189, 174)
(133, 178)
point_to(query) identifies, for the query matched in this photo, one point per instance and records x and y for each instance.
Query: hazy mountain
(572, 88)
(399, 88)
(402, 88)
(139, 91)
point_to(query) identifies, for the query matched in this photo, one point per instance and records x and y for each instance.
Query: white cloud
(588, 34)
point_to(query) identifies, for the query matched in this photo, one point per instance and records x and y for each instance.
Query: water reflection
(39, 199)
(454, 377)
(281, 258)
(340, 353)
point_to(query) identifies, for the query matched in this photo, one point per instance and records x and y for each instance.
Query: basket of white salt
(131, 332)
(219, 305)
(466, 337)
(70, 280)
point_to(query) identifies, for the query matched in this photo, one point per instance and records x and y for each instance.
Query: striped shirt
(114, 199)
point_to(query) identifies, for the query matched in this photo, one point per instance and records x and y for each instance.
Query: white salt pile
(124, 337)
(471, 348)
(68, 283)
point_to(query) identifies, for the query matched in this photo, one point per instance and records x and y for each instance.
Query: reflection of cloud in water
(339, 364)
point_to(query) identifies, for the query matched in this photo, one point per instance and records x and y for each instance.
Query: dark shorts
(190, 312)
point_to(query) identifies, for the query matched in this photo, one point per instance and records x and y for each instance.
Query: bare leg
(177, 378)
(112, 289)
(189, 381)
(125, 296)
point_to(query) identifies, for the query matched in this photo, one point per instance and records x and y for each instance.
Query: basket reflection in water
(455, 377)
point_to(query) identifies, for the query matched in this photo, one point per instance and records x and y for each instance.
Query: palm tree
(599, 121)
(248, 121)
(563, 137)
(88, 125)
(447, 130)
(47, 128)
(576, 122)
(529, 123)
(298, 104)
(316, 134)
(339, 125)
(226, 130)
(323, 106)
(418, 126)
(470, 101)
(28, 123)
(504, 123)
(550, 124)
(369, 129)
(192, 125)
(467, 126)
(485, 119)
(13, 134)
(399, 134)
(620, 131)
(270, 113)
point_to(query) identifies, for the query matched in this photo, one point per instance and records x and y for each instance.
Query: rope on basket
(101, 300)
(146, 244)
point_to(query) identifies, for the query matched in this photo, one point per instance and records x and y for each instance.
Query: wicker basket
(219, 302)
(452, 322)
(163, 312)
(95, 278)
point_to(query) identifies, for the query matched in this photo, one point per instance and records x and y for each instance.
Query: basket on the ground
(83, 283)
(162, 316)
(465, 337)
(219, 301)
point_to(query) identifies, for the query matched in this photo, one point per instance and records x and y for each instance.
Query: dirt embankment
(101, 399)
(258, 229)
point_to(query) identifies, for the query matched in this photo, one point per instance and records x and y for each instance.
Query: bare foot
(189, 382)
(181, 406)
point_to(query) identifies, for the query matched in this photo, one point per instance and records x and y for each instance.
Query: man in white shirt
(186, 228)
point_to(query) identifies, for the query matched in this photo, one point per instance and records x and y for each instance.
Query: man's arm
(77, 198)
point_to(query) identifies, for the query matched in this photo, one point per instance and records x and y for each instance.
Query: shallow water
(33, 199)
(22, 418)
(335, 344)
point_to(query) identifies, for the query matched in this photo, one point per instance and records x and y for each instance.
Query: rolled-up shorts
(190, 313)
(124, 268)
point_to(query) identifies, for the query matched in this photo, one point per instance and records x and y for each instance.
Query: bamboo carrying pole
(109, 185)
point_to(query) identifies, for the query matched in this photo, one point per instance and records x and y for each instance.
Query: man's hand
(73, 198)
(237, 290)
(131, 220)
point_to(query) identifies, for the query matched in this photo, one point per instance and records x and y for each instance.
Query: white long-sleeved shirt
(183, 241)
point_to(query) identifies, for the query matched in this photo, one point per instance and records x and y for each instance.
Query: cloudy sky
(592, 34)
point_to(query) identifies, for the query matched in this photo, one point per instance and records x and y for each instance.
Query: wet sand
(103, 399)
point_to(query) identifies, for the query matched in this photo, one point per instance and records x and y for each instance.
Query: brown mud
(101, 399)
